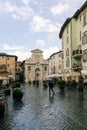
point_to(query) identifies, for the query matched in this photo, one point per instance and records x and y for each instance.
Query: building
(8, 64)
(55, 65)
(74, 39)
(3, 75)
(36, 68)
(83, 13)
(22, 71)
(18, 70)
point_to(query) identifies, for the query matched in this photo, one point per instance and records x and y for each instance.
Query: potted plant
(16, 85)
(17, 94)
(61, 84)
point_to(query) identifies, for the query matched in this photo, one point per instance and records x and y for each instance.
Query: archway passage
(37, 74)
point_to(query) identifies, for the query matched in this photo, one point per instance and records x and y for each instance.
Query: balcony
(77, 53)
(77, 66)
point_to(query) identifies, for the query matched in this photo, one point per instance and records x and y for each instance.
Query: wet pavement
(39, 111)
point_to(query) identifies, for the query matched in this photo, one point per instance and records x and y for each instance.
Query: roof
(74, 16)
(4, 54)
(55, 54)
(63, 27)
(36, 51)
(80, 10)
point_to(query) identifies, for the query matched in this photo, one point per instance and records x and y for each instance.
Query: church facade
(36, 68)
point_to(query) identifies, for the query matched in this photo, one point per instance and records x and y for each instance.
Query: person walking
(51, 86)
(81, 88)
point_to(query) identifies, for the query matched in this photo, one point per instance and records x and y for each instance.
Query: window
(59, 66)
(80, 17)
(85, 56)
(67, 40)
(84, 19)
(59, 55)
(45, 68)
(62, 55)
(8, 58)
(29, 68)
(1, 57)
(84, 38)
(62, 45)
(62, 64)
(67, 29)
(53, 69)
(67, 52)
(67, 62)
(80, 36)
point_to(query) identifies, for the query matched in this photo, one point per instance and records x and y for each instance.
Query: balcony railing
(77, 53)
(77, 66)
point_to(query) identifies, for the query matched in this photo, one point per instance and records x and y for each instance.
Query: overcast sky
(29, 24)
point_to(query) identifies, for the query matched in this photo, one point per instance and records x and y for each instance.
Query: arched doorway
(37, 74)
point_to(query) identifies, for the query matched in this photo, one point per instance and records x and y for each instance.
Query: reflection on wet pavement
(39, 111)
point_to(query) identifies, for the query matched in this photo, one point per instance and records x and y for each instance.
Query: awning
(54, 76)
(84, 72)
(75, 74)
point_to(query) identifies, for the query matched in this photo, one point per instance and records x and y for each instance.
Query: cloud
(23, 12)
(8, 47)
(26, 2)
(39, 24)
(40, 42)
(51, 37)
(48, 52)
(36, 2)
(18, 51)
(22, 55)
(59, 8)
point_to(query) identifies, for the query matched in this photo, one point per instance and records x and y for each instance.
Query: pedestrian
(81, 89)
(51, 86)
(74, 84)
(81, 85)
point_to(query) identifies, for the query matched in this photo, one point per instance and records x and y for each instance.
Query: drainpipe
(71, 45)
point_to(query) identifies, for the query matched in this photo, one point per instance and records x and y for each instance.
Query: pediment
(37, 51)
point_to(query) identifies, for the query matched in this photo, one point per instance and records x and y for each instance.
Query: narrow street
(39, 111)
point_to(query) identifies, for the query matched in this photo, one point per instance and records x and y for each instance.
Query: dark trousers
(51, 90)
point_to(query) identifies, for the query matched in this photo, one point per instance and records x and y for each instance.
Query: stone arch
(37, 74)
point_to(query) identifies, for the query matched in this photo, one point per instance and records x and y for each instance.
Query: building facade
(36, 68)
(8, 62)
(84, 41)
(18, 71)
(72, 34)
(55, 64)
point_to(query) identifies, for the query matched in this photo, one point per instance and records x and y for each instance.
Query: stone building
(3, 75)
(36, 68)
(55, 64)
(8, 64)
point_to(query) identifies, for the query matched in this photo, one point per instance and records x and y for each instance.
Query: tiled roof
(74, 16)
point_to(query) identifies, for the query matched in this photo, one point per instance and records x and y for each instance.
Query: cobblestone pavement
(39, 111)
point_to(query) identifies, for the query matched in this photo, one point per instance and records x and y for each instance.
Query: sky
(26, 25)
